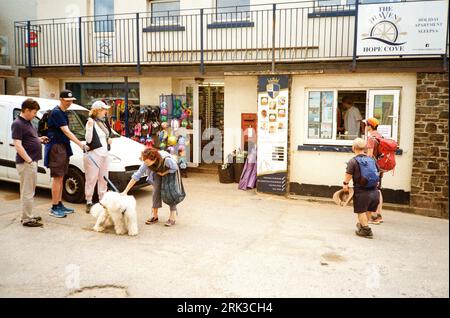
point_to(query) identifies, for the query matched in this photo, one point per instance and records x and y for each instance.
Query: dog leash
(104, 177)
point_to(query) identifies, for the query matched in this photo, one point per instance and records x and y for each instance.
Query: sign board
(402, 28)
(33, 40)
(104, 48)
(273, 107)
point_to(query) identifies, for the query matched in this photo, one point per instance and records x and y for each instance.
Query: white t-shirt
(352, 119)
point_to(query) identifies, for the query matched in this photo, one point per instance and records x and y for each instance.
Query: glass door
(193, 131)
(383, 105)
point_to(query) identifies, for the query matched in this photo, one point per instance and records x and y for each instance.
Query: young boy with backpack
(365, 174)
(383, 151)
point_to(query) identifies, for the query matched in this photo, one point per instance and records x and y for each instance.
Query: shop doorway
(211, 117)
(207, 103)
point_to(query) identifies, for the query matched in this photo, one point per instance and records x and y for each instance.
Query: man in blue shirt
(58, 151)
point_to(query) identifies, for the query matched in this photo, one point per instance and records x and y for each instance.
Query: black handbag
(95, 142)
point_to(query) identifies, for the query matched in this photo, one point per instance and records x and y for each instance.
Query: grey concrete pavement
(226, 243)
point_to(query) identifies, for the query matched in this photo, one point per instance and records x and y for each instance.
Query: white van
(124, 152)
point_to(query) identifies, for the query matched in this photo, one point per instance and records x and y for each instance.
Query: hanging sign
(272, 132)
(33, 40)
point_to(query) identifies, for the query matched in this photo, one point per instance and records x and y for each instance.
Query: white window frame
(312, 141)
(395, 112)
(370, 92)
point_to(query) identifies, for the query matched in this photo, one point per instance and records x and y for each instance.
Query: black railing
(283, 32)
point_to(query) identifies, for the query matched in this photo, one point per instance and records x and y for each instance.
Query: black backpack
(43, 124)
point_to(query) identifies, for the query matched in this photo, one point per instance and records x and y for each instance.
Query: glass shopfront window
(335, 117)
(112, 94)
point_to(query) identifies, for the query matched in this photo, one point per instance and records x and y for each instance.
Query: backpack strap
(376, 151)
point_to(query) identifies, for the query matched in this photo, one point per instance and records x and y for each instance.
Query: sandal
(151, 220)
(32, 223)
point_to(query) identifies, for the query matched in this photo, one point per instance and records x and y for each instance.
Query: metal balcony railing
(271, 33)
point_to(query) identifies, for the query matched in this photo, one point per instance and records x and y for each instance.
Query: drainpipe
(126, 106)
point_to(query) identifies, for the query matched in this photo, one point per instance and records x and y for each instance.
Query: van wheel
(73, 186)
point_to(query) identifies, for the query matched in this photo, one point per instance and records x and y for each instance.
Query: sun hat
(342, 198)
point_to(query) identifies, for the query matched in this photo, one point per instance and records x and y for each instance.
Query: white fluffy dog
(118, 210)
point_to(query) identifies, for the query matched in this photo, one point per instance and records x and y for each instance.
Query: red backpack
(386, 153)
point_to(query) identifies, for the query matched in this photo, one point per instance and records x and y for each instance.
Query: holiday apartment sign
(404, 28)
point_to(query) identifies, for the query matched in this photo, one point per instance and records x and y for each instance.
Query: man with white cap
(96, 161)
(58, 151)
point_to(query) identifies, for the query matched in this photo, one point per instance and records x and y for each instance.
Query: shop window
(320, 115)
(165, 12)
(110, 93)
(351, 110)
(335, 117)
(234, 10)
(103, 12)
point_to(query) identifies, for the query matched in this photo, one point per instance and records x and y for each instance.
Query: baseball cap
(66, 95)
(373, 122)
(99, 105)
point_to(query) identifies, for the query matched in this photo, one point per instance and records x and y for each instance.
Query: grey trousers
(28, 178)
(157, 202)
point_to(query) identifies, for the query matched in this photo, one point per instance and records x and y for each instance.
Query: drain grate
(100, 291)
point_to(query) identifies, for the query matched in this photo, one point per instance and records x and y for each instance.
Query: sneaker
(170, 222)
(375, 220)
(380, 218)
(57, 213)
(65, 209)
(364, 231)
(88, 207)
(32, 223)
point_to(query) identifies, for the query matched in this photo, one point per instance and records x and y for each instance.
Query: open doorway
(211, 114)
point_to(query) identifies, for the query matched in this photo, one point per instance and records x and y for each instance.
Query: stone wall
(429, 184)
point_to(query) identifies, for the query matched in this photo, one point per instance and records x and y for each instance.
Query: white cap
(99, 105)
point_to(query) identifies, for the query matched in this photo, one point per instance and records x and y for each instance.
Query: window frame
(219, 15)
(165, 20)
(326, 3)
(396, 91)
(395, 111)
(312, 141)
(99, 20)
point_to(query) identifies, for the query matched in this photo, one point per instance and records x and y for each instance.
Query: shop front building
(219, 77)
